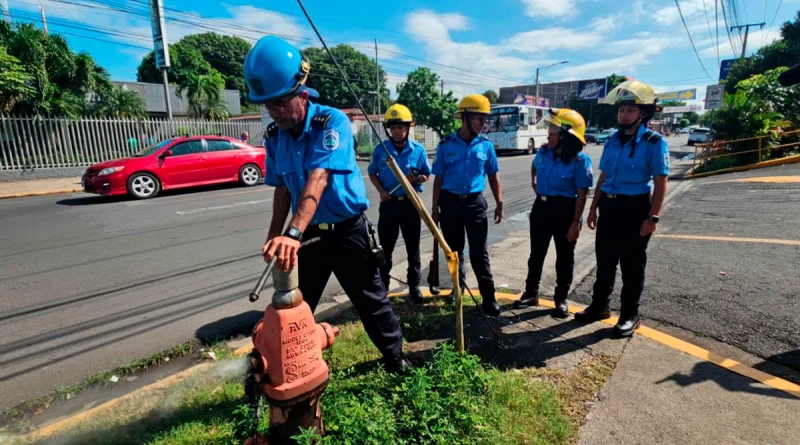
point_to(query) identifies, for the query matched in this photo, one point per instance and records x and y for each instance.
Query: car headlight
(110, 170)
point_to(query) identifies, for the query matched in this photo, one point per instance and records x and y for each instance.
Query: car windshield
(608, 132)
(152, 149)
(700, 130)
(503, 119)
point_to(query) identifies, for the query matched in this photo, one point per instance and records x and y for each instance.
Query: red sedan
(176, 163)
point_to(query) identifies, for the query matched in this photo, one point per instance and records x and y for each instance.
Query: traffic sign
(674, 96)
(725, 68)
(714, 95)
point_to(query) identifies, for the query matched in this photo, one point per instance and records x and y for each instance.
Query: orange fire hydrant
(287, 362)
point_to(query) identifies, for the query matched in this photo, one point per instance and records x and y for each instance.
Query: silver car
(699, 135)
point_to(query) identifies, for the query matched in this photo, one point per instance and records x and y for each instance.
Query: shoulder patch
(651, 136)
(330, 139)
(320, 120)
(272, 130)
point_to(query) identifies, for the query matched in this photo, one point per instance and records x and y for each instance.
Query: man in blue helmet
(311, 164)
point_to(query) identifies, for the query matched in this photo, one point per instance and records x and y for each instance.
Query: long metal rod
(415, 200)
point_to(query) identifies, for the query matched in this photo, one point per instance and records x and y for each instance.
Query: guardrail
(28, 142)
(705, 153)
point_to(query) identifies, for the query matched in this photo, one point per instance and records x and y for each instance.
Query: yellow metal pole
(452, 257)
(694, 159)
(759, 149)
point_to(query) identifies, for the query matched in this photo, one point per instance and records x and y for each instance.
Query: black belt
(462, 197)
(400, 198)
(553, 198)
(618, 196)
(333, 226)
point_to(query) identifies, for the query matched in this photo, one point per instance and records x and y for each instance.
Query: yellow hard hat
(569, 120)
(398, 114)
(474, 103)
(632, 92)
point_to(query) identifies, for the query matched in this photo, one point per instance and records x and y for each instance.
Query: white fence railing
(52, 142)
(367, 142)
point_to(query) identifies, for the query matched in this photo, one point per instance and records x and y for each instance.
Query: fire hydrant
(286, 363)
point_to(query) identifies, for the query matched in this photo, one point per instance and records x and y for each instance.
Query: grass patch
(450, 399)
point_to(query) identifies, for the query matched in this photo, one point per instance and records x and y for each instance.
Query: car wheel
(531, 147)
(143, 186)
(249, 175)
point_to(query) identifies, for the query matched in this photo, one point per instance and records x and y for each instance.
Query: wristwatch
(294, 233)
(654, 219)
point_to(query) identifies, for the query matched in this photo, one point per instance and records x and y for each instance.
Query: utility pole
(441, 88)
(746, 32)
(44, 20)
(537, 86)
(4, 5)
(377, 80)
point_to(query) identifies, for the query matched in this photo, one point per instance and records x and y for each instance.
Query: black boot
(626, 326)
(526, 300)
(414, 295)
(396, 363)
(561, 310)
(592, 314)
(490, 307)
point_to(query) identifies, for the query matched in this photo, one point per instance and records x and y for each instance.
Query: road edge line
(45, 193)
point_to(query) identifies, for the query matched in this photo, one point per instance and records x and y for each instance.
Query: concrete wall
(153, 96)
(40, 173)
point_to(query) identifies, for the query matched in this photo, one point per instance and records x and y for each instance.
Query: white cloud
(669, 14)
(755, 41)
(545, 40)
(627, 17)
(386, 51)
(650, 45)
(550, 8)
(604, 67)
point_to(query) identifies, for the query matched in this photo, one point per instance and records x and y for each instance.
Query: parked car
(602, 137)
(591, 134)
(176, 163)
(699, 135)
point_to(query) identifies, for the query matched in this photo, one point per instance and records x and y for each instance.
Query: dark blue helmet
(274, 68)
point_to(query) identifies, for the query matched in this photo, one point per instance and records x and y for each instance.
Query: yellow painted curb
(741, 168)
(732, 239)
(44, 193)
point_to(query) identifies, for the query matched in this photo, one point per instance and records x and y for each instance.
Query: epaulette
(272, 130)
(320, 120)
(651, 136)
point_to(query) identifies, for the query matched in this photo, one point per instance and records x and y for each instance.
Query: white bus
(518, 128)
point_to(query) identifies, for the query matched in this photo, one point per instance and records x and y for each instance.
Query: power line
(776, 14)
(691, 40)
(727, 30)
(710, 35)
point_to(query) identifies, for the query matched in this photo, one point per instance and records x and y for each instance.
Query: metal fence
(52, 142)
(367, 142)
(718, 155)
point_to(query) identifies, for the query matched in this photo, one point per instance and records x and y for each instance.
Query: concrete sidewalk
(39, 187)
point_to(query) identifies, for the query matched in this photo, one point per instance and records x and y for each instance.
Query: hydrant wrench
(255, 295)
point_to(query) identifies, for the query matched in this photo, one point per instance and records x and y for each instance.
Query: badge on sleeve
(330, 139)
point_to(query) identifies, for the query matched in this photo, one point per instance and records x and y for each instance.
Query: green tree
(202, 91)
(225, 54)
(360, 71)
(691, 117)
(184, 62)
(491, 95)
(420, 93)
(782, 52)
(117, 102)
(59, 81)
(14, 81)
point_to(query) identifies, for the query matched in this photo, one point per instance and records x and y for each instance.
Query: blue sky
(471, 45)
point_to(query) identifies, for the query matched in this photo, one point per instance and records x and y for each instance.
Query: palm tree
(202, 91)
(117, 102)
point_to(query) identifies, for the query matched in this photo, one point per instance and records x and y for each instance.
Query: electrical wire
(691, 40)
(727, 29)
(710, 35)
(776, 14)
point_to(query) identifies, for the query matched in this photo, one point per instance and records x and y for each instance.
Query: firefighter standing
(462, 164)
(632, 158)
(397, 213)
(561, 175)
(311, 164)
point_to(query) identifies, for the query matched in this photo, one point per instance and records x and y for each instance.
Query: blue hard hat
(274, 68)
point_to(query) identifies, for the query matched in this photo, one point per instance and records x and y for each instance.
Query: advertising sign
(674, 96)
(592, 89)
(681, 109)
(725, 68)
(527, 99)
(159, 33)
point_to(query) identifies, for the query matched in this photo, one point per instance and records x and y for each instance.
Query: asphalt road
(90, 283)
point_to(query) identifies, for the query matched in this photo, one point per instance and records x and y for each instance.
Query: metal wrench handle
(255, 295)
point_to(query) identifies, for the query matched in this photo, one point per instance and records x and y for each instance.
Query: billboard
(674, 96)
(159, 33)
(527, 99)
(683, 109)
(592, 89)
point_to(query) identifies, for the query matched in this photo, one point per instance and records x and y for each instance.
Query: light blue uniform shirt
(627, 175)
(412, 156)
(326, 143)
(555, 178)
(464, 167)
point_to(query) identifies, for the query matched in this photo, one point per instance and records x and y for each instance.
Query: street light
(542, 69)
